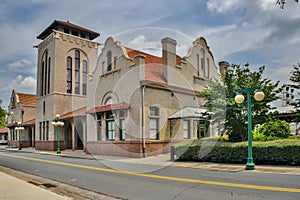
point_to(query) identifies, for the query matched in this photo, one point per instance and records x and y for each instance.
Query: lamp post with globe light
(57, 123)
(19, 128)
(258, 96)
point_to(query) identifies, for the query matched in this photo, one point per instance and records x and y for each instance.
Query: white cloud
(20, 83)
(19, 65)
(141, 43)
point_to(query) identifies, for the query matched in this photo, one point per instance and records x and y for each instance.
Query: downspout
(143, 122)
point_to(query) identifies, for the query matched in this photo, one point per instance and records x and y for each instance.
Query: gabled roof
(29, 122)
(117, 106)
(56, 23)
(154, 65)
(76, 113)
(27, 99)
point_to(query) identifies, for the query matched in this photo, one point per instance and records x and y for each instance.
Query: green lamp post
(57, 123)
(19, 128)
(258, 96)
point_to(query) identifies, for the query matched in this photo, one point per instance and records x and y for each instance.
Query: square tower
(66, 57)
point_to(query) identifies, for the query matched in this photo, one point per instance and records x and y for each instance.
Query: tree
(2, 116)
(220, 99)
(295, 79)
(281, 3)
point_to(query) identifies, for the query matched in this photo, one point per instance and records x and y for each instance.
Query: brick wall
(128, 148)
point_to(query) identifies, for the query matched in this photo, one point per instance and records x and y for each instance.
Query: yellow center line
(217, 183)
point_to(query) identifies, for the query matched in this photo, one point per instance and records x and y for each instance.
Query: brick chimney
(168, 55)
(223, 66)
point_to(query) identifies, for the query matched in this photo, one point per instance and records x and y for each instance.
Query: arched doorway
(68, 137)
(79, 135)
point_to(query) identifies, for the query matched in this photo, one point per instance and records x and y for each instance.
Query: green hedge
(277, 152)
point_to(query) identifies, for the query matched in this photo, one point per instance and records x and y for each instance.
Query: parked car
(3, 142)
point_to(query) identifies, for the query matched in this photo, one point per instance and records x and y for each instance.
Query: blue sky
(238, 31)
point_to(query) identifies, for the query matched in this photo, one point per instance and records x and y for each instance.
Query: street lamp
(19, 128)
(258, 96)
(57, 123)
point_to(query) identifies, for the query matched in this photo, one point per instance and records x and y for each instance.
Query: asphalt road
(163, 184)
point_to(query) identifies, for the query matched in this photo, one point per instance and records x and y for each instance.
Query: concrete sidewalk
(163, 160)
(12, 188)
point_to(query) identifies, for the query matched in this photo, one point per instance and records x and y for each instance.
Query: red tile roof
(117, 106)
(27, 99)
(12, 125)
(154, 67)
(29, 122)
(4, 130)
(76, 113)
(57, 23)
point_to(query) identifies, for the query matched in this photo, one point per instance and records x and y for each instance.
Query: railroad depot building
(120, 101)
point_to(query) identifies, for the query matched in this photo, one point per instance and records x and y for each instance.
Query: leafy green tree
(220, 99)
(295, 79)
(2, 116)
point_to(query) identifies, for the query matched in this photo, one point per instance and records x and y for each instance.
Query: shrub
(272, 130)
(283, 152)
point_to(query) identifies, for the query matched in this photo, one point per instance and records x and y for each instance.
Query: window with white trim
(153, 125)
(186, 129)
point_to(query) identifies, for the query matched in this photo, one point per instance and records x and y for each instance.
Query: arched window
(42, 78)
(109, 101)
(77, 72)
(84, 77)
(49, 65)
(45, 74)
(109, 65)
(69, 75)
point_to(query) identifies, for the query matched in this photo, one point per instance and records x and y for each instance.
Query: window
(122, 113)
(203, 62)
(82, 35)
(153, 129)
(154, 111)
(40, 131)
(84, 76)
(99, 135)
(207, 63)
(122, 129)
(110, 125)
(153, 126)
(44, 108)
(47, 130)
(45, 59)
(198, 65)
(45, 74)
(109, 67)
(69, 75)
(43, 131)
(66, 30)
(75, 33)
(42, 78)
(109, 101)
(186, 129)
(48, 81)
(77, 72)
